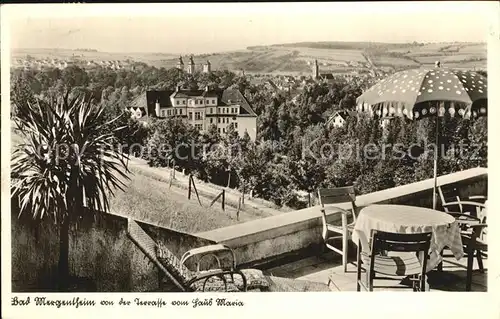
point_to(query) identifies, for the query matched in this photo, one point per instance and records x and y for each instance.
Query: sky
(215, 27)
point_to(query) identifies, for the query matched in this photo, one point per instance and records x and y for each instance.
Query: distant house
(200, 108)
(339, 118)
(385, 121)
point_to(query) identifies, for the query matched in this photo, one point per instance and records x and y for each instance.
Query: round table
(410, 220)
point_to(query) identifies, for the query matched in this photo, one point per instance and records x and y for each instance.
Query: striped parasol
(421, 93)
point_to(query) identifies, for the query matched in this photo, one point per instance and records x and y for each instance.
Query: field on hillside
(296, 58)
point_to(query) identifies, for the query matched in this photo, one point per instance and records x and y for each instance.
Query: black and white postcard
(194, 159)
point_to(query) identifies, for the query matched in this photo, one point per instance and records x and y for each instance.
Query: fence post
(173, 168)
(191, 179)
(189, 188)
(223, 199)
(171, 179)
(238, 211)
(243, 195)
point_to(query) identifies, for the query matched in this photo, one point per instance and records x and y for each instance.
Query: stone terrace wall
(101, 256)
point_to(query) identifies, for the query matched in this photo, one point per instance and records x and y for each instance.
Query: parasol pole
(434, 193)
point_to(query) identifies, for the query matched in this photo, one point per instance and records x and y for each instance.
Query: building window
(235, 124)
(218, 120)
(177, 102)
(190, 115)
(224, 130)
(211, 120)
(197, 116)
(234, 118)
(180, 111)
(168, 112)
(199, 127)
(213, 101)
(211, 110)
(219, 129)
(162, 113)
(184, 102)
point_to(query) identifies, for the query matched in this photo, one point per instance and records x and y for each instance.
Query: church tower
(207, 67)
(180, 64)
(191, 65)
(315, 70)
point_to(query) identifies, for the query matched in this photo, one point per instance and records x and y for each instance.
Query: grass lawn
(152, 201)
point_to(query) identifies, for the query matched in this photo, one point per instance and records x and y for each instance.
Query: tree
(66, 167)
(173, 139)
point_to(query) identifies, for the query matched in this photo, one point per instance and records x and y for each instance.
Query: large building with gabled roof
(200, 108)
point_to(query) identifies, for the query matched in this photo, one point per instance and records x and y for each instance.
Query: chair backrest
(149, 247)
(385, 241)
(448, 193)
(338, 195)
(400, 242)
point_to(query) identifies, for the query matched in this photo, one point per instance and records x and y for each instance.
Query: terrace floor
(319, 269)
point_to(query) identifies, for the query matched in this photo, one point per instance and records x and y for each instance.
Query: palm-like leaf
(67, 162)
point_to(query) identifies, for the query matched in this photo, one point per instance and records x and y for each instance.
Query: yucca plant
(67, 165)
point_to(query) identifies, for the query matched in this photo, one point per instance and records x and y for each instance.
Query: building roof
(343, 113)
(234, 96)
(327, 76)
(225, 97)
(182, 93)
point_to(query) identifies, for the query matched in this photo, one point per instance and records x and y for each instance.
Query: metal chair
(378, 261)
(453, 203)
(327, 199)
(216, 279)
(473, 244)
(466, 212)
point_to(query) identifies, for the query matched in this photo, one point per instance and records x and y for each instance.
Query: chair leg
(344, 252)
(358, 270)
(440, 265)
(370, 280)
(422, 283)
(480, 261)
(470, 263)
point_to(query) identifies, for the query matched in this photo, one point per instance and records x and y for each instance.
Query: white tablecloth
(411, 220)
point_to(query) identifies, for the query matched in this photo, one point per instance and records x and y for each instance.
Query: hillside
(295, 58)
